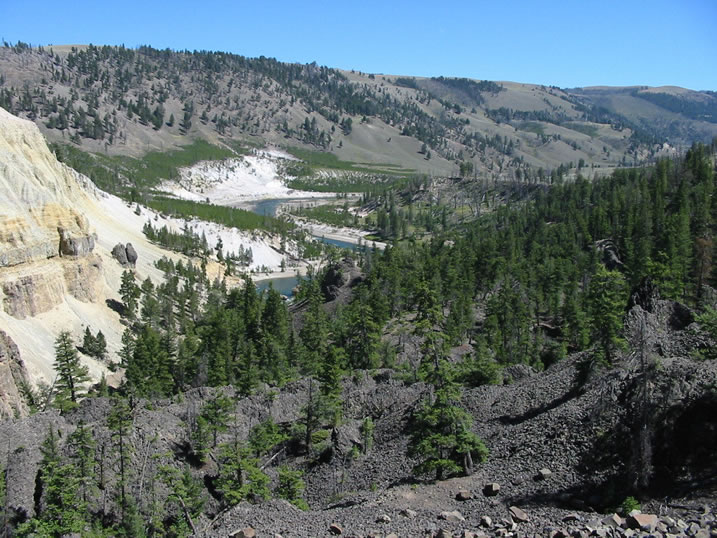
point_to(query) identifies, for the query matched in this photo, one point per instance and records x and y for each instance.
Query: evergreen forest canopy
(525, 284)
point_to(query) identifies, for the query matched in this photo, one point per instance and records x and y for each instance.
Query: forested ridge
(121, 101)
(523, 284)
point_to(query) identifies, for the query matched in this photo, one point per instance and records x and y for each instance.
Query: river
(284, 285)
(270, 207)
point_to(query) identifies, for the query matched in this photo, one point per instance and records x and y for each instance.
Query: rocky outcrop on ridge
(12, 376)
(40, 221)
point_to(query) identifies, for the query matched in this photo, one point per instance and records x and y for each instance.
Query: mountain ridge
(428, 125)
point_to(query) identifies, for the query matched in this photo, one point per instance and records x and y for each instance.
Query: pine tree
(314, 338)
(708, 323)
(187, 492)
(214, 415)
(291, 487)
(127, 349)
(150, 305)
(82, 446)
(329, 375)
(363, 336)
(89, 343)
(100, 346)
(71, 374)
(264, 437)
(606, 306)
(62, 510)
(149, 369)
(273, 360)
(366, 431)
(239, 474)
(441, 437)
(120, 422)
(130, 293)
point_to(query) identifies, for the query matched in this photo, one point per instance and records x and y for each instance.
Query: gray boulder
(131, 254)
(119, 253)
(126, 255)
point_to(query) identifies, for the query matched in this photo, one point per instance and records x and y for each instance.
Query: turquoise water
(284, 285)
(339, 243)
(267, 207)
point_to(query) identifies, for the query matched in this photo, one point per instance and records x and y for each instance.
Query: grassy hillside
(128, 102)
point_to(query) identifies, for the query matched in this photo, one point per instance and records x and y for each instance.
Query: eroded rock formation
(46, 245)
(12, 376)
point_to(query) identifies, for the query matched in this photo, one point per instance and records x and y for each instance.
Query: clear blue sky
(564, 43)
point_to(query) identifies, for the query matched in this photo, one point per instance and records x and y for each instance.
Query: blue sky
(563, 43)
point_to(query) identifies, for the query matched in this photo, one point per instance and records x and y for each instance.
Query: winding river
(270, 207)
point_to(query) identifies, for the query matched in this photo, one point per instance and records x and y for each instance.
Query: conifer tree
(291, 487)
(62, 510)
(314, 339)
(120, 422)
(149, 371)
(130, 293)
(100, 346)
(363, 336)
(71, 374)
(264, 437)
(239, 474)
(441, 437)
(606, 305)
(214, 415)
(88, 342)
(82, 454)
(187, 492)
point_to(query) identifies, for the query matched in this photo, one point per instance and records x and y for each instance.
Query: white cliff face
(47, 252)
(237, 180)
(37, 196)
(57, 231)
(41, 219)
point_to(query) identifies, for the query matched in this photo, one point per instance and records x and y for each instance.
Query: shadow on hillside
(115, 305)
(536, 411)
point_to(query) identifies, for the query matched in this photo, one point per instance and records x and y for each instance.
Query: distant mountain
(128, 101)
(676, 115)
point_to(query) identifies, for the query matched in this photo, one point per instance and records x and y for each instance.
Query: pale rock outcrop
(12, 375)
(83, 279)
(33, 289)
(41, 218)
(38, 199)
(75, 245)
(56, 233)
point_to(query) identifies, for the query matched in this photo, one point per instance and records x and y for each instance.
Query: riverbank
(281, 207)
(347, 235)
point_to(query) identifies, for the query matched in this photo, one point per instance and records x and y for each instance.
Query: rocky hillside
(564, 450)
(126, 101)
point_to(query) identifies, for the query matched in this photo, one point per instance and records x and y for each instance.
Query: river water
(270, 207)
(284, 285)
